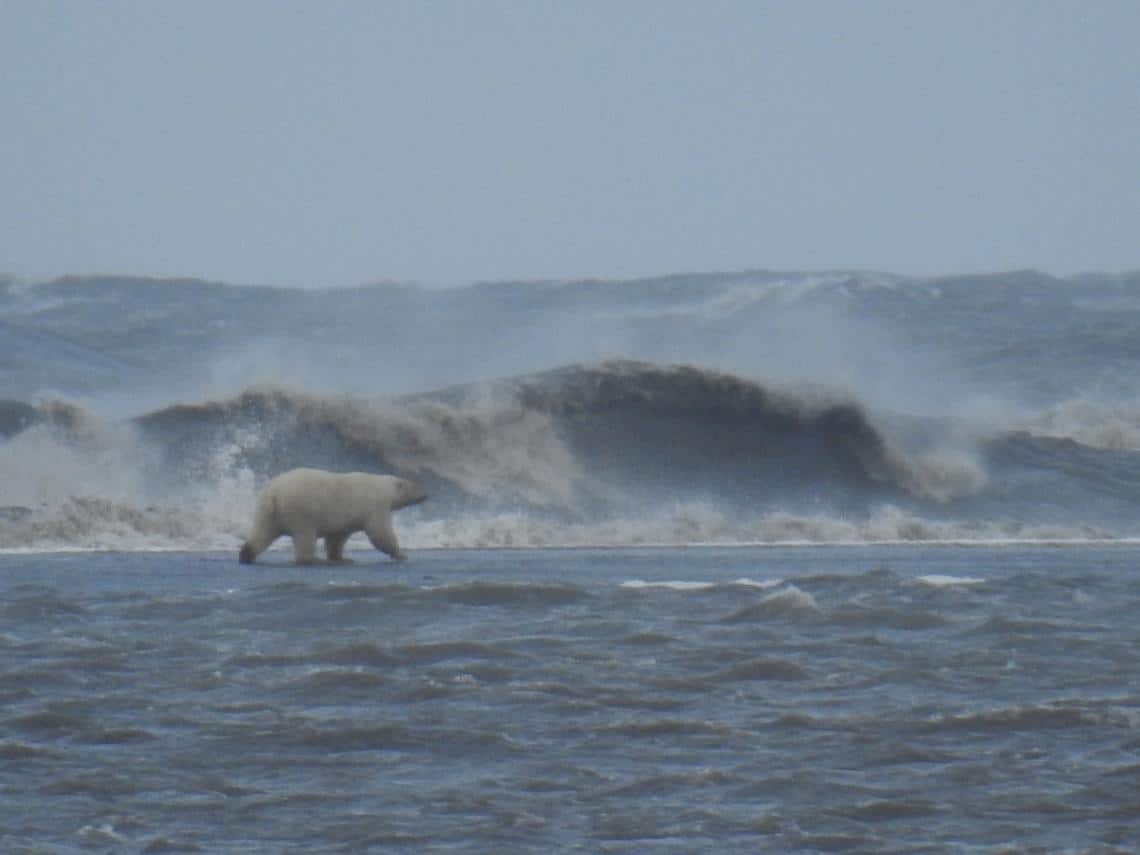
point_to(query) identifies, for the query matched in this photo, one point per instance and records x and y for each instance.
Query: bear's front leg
(384, 538)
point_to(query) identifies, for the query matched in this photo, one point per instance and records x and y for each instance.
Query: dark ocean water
(871, 699)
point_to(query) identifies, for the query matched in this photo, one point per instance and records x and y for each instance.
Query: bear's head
(408, 493)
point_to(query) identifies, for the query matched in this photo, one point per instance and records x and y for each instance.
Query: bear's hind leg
(334, 548)
(305, 547)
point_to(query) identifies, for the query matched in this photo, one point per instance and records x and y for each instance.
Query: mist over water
(716, 408)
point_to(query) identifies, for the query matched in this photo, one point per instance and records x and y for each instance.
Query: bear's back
(326, 501)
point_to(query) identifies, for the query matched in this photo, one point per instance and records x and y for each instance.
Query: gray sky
(320, 143)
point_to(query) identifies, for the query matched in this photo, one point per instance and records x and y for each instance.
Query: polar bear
(307, 504)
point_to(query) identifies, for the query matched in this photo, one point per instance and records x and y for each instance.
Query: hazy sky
(314, 143)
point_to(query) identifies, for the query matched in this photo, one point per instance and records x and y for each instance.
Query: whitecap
(792, 599)
(681, 585)
(939, 580)
(641, 584)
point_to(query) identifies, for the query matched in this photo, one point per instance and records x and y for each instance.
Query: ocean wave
(1034, 717)
(336, 684)
(482, 447)
(788, 602)
(693, 586)
(1112, 426)
(940, 580)
(489, 593)
(616, 454)
(550, 439)
(907, 620)
(762, 669)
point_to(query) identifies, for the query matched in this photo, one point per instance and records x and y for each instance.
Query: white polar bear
(307, 504)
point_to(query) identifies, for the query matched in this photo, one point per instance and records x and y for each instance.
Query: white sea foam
(39, 467)
(944, 474)
(791, 599)
(937, 580)
(96, 491)
(702, 524)
(679, 585)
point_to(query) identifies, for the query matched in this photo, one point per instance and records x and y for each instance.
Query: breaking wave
(1111, 426)
(615, 454)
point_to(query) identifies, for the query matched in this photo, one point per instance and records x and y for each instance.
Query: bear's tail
(246, 555)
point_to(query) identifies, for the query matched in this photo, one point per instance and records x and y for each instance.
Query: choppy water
(869, 699)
